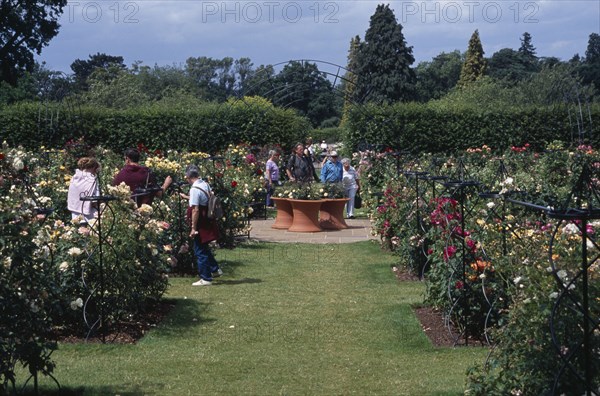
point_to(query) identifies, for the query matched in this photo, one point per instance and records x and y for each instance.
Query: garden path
(359, 230)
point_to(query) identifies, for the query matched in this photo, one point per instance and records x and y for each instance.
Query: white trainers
(202, 282)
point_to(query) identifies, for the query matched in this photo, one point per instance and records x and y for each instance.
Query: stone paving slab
(360, 230)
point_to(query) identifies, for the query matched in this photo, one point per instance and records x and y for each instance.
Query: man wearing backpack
(203, 230)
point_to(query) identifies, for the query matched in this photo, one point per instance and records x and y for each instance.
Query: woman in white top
(83, 184)
(351, 186)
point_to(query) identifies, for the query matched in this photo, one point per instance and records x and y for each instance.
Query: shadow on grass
(88, 390)
(187, 314)
(237, 281)
(231, 259)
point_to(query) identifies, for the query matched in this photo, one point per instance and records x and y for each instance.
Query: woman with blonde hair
(83, 184)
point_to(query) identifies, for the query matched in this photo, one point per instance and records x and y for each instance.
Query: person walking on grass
(203, 230)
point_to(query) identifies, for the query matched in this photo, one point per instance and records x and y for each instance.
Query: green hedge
(425, 128)
(209, 128)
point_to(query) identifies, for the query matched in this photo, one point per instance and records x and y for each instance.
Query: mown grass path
(284, 320)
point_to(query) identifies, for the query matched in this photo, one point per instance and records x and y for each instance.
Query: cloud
(270, 31)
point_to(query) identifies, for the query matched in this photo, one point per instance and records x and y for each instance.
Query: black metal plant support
(575, 344)
(577, 357)
(419, 227)
(98, 288)
(458, 187)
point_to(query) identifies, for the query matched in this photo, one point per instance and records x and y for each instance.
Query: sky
(277, 31)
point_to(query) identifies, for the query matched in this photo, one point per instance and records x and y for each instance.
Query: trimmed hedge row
(208, 128)
(424, 128)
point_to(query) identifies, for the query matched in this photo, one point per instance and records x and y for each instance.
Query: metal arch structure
(335, 73)
(57, 107)
(338, 73)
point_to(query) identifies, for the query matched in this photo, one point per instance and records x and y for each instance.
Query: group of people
(300, 168)
(144, 188)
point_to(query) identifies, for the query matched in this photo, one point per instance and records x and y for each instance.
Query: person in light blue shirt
(203, 231)
(332, 170)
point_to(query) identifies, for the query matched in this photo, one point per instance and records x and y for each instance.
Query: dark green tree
(474, 66)
(350, 78)
(590, 68)
(383, 62)
(527, 49)
(243, 68)
(508, 65)
(26, 27)
(592, 53)
(436, 78)
(260, 82)
(83, 69)
(302, 86)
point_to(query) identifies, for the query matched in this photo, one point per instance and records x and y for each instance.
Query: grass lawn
(285, 319)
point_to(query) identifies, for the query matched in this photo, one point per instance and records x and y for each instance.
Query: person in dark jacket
(299, 167)
(140, 179)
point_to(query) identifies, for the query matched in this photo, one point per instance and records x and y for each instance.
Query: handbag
(357, 201)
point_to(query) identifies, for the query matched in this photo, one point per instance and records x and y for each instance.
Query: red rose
(234, 184)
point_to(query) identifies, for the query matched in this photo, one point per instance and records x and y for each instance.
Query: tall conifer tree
(351, 77)
(475, 64)
(526, 47)
(383, 62)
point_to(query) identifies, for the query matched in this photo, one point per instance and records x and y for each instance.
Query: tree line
(380, 69)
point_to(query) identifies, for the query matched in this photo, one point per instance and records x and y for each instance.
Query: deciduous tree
(83, 69)
(26, 27)
(438, 77)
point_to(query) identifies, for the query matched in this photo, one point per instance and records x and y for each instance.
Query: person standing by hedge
(140, 179)
(299, 167)
(203, 230)
(332, 170)
(271, 174)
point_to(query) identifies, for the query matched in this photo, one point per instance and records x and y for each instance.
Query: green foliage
(436, 78)
(383, 61)
(330, 135)
(475, 65)
(490, 268)
(350, 78)
(208, 128)
(300, 85)
(104, 66)
(510, 65)
(27, 27)
(444, 127)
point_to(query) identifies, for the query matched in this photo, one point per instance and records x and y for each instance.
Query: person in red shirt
(140, 179)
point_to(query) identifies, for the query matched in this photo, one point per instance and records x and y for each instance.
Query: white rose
(78, 303)
(63, 266)
(74, 251)
(18, 164)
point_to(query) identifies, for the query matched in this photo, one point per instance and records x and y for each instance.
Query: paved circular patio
(359, 230)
